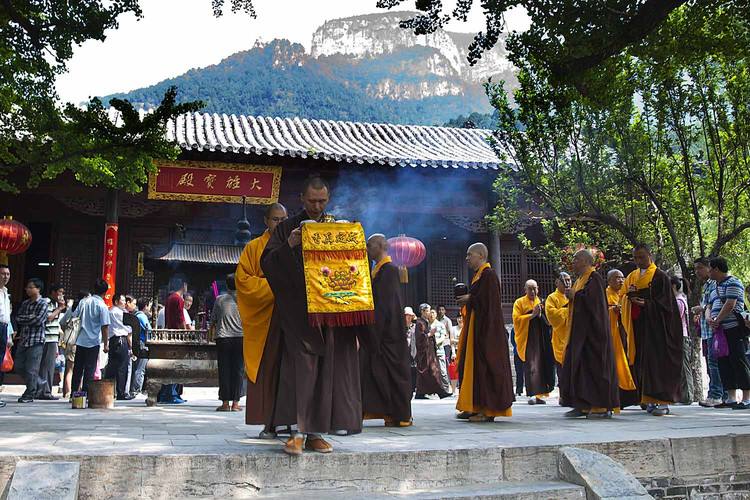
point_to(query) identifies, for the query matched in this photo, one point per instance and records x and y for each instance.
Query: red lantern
(14, 238)
(406, 252)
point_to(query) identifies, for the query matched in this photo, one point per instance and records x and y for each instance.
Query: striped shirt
(728, 289)
(53, 327)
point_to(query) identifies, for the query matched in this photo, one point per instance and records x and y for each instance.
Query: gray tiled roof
(351, 142)
(203, 253)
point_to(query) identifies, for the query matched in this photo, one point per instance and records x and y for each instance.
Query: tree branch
(648, 18)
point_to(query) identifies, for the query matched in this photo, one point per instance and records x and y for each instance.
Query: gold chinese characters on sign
(215, 182)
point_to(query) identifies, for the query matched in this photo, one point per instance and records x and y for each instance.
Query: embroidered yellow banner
(337, 274)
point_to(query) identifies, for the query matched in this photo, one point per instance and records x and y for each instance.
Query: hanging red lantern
(15, 238)
(406, 252)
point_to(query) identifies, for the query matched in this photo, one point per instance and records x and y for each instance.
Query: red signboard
(109, 266)
(215, 182)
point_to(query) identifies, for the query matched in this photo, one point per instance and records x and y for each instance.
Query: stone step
(34, 480)
(547, 490)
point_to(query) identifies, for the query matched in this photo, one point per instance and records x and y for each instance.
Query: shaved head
(586, 255)
(378, 239)
(377, 247)
(531, 284)
(615, 279)
(479, 249)
(274, 207)
(476, 256)
(614, 272)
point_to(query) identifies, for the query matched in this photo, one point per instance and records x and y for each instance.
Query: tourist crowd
(84, 340)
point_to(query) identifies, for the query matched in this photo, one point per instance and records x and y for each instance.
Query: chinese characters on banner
(109, 266)
(215, 182)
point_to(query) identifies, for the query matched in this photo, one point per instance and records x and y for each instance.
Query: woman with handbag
(70, 326)
(727, 306)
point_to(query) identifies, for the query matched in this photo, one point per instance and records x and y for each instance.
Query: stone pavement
(53, 428)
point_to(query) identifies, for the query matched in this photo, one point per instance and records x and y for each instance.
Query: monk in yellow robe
(615, 291)
(483, 355)
(255, 302)
(652, 321)
(534, 344)
(556, 309)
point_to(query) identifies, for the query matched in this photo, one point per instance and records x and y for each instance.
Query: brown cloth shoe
(293, 445)
(318, 444)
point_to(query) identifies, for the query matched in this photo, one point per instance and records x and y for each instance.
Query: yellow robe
(466, 398)
(521, 322)
(556, 307)
(255, 302)
(640, 283)
(624, 377)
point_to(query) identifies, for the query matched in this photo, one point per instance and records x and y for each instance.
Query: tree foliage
(631, 114)
(39, 136)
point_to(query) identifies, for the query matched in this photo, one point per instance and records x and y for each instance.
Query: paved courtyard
(53, 428)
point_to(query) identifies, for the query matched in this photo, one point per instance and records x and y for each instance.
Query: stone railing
(169, 336)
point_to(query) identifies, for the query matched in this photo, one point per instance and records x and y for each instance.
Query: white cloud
(177, 35)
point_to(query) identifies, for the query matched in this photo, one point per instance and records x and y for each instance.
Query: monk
(588, 378)
(654, 333)
(261, 353)
(319, 377)
(384, 360)
(615, 291)
(556, 309)
(429, 379)
(534, 344)
(484, 359)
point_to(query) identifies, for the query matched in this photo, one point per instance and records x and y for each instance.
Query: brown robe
(489, 368)
(588, 377)
(658, 342)
(539, 367)
(384, 360)
(429, 380)
(318, 384)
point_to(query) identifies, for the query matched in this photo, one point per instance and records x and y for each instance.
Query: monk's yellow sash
(640, 282)
(557, 314)
(624, 377)
(521, 320)
(385, 260)
(337, 274)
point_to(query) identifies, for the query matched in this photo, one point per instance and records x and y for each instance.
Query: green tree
(39, 136)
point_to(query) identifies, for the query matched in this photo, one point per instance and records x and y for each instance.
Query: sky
(176, 35)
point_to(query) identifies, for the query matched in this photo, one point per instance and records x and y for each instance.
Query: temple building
(429, 183)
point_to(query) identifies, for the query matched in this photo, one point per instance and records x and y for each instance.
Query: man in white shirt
(4, 317)
(441, 340)
(119, 348)
(446, 321)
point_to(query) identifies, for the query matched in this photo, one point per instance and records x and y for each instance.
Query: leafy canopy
(40, 137)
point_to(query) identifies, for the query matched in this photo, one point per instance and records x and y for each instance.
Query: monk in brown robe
(429, 380)
(652, 321)
(534, 344)
(483, 356)
(588, 378)
(384, 360)
(261, 353)
(615, 291)
(319, 378)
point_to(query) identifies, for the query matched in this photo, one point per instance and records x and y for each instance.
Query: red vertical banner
(109, 265)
